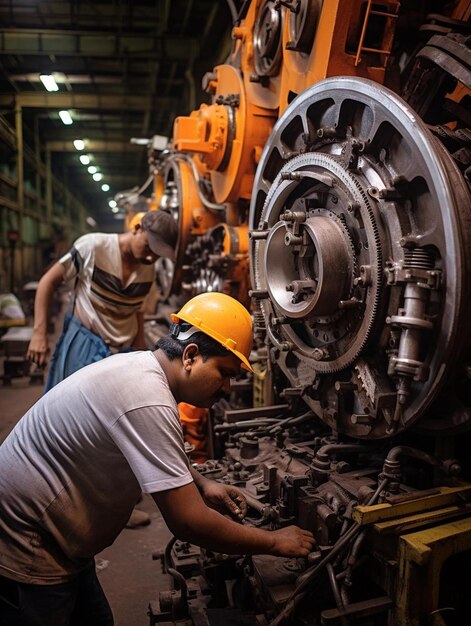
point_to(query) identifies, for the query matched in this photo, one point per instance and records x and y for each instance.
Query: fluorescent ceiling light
(84, 159)
(79, 144)
(92, 169)
(97, 176)
(48, 82)
(105, 187)
(65, 117)
(112, 204)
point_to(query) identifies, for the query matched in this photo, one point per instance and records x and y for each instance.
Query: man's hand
(189, 518)
(38, 349)
(292, 541)
(224, 499)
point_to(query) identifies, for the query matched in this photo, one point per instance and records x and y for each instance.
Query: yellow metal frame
(416, 538)
(421, 557)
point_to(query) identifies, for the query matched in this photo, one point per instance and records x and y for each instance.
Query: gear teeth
(334, 165)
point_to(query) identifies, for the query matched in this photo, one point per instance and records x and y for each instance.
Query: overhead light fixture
(115, 209)
(65, 117)
(48, 82)
(84, 159)
(97, 176)
(112, 204)
(92, 169)
(79, 144)
(91, 222)
(105, 187)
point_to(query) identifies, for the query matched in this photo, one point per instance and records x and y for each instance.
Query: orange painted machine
(279, 49)
(331, 173)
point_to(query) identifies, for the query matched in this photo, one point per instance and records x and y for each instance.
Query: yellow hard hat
(224, 319)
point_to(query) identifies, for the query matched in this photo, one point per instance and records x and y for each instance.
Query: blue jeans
(75, 603)
(77, 347)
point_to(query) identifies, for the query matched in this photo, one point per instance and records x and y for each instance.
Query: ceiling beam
(87, 14)
(104, 43)
(85, 101)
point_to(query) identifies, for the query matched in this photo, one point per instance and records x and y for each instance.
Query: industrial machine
(329, 180)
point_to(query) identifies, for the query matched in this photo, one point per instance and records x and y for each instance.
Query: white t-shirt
(103, 303)
(72, 469)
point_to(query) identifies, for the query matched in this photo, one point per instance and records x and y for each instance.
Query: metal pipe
(207, 203)
(145, 185)
(336, 592)
(233, 10)
(178, 578)
(330, 448)
(395, 453)
(292, 421)
(265, 510)
(246, 424)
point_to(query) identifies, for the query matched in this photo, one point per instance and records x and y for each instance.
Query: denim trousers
(77, 347)
(75, 603)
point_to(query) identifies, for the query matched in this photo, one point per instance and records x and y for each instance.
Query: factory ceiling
(125, 69)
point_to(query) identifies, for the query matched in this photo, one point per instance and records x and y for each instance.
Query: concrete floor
(129, 576)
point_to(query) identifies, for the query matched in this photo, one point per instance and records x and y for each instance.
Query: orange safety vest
(194, 421)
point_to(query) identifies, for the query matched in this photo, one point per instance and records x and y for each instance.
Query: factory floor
(127, 572)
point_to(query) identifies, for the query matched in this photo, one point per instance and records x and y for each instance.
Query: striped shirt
(103, 304)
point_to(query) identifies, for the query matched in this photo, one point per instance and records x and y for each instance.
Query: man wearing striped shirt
(113, 274)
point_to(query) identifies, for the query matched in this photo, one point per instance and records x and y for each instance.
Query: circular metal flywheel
(181, 199)
(267, 39)
(360, 260)
(172, 201)
(303, 18)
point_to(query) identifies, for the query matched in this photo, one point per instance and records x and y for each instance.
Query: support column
(20, 184)
(37, 154)
(48, 187)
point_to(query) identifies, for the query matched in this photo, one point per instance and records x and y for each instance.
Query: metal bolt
(258, 294)
(258, 234)
(318, 354)
(276, 321)
(353, 206)
(349, 304)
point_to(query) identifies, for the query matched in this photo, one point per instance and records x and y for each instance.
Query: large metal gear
(182, 197)
(303, 18)
(360, 222)
(218, 261)
(267, 39)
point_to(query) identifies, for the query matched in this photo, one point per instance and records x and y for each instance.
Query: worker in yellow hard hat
(229, 323)
(224, 319)
(211, 324)
(72, 482)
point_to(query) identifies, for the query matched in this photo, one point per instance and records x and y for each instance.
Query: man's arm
(38, 349)
(220, 497)
(191, 520)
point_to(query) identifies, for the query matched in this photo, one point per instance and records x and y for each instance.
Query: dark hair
(207, 346)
